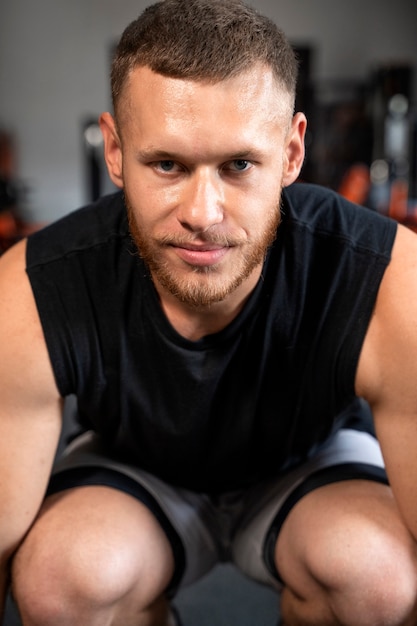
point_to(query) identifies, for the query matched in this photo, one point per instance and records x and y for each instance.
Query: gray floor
(223, 598)
(227, 598)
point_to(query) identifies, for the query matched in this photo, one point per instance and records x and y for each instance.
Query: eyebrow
(154, 154)
(151, 154)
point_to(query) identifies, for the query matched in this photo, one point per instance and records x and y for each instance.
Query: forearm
(397, 434)
(27, 451)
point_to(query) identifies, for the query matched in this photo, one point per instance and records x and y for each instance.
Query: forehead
(252, 99)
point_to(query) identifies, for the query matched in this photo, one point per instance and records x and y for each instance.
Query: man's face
(202, 167)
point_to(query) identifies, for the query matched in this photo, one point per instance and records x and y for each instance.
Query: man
(222, 328)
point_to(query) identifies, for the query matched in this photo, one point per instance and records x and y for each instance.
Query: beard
(200, 287)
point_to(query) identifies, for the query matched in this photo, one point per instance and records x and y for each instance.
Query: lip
(202, 256)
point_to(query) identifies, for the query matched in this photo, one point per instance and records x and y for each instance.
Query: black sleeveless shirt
(234, 407)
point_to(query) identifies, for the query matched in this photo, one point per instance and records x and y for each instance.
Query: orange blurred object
(355, 184)
(398, 205)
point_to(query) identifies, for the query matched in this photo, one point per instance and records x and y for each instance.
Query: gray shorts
(241, 526)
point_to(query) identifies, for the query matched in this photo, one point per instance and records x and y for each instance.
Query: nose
(202, 202)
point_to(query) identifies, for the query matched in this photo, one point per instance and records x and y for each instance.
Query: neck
(193, 323)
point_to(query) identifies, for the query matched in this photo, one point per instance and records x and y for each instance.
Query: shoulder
(85, 228)
(388, 365)
(324, 213)
(15, 292)
(24, 363)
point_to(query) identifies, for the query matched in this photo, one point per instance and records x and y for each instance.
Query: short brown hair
(202, 40)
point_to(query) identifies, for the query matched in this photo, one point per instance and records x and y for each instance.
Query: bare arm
(30, 408)
(387, 373)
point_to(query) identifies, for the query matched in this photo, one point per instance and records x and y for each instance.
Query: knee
(386, 593)
(92, 554)
(371, 579)
(70, 584)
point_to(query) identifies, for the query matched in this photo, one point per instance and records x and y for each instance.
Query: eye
(166, 166)
(239, 165)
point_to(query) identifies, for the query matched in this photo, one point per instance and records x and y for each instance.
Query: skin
(360, 567)
(387, 372)
(30, 409)
(193, 195)
(177, 151)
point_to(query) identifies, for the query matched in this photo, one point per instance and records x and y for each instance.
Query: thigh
(345, 556)
(97, 542)
(341, 532)
(349, 454)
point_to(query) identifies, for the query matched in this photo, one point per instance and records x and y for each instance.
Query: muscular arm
(30, 408)
(387, 373)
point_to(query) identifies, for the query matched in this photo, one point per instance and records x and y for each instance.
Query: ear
(294, 149)
(112, 148)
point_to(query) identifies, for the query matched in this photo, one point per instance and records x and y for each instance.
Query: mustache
(209, 238)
